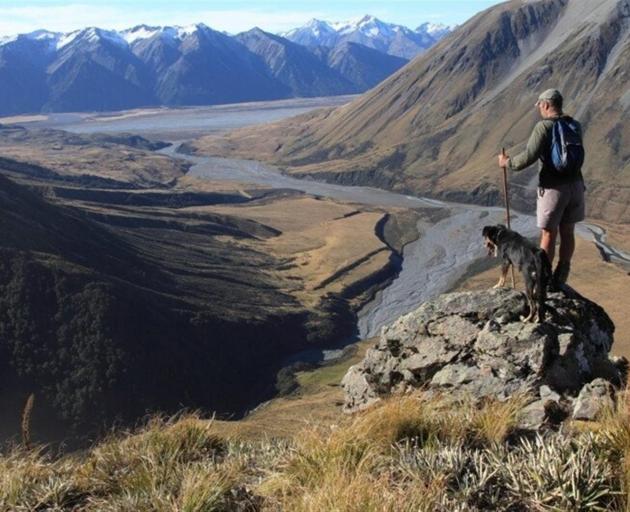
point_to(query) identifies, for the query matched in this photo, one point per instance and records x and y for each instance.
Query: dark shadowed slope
(362, 65)
(295, 66)
(106, 315)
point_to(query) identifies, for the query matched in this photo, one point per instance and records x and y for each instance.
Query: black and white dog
(531, 260)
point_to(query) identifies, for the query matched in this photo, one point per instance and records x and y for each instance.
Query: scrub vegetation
(405, 453)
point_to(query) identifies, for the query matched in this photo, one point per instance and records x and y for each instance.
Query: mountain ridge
(97, 69)
(390, 38)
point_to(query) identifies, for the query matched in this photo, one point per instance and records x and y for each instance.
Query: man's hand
(503, 160)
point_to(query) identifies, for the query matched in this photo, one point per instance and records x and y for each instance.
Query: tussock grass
(175, 464)
(613, 434)
(407, 453)
(356, 465)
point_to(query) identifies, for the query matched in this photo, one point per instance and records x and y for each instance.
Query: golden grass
(613, 429)
(174, 464)
(357, 466)
(327, 245)
(344, 467)
(493, 423)
(407, 453)
(26, 421)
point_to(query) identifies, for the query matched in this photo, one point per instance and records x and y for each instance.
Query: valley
(243, 269)
(221, 256)
(128, 281)
(160, 259)
(227, 256)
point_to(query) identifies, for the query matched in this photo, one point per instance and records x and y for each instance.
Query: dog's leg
(504, 270)
(535, 286)
(539, 300)
(531, 304)
(542, 275)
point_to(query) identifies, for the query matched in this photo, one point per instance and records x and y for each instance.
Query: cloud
(62, 18)
(119, 14)
(68, 17)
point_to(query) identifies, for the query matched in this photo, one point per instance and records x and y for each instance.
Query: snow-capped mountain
(91, 35)
(98, 69)
(174, 33)
(369, 31)
(435, 30)
(314, 33)
(42, 36)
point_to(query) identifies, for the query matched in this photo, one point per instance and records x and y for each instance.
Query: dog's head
(492, 238)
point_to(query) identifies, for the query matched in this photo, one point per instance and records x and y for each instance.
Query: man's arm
(535, 147)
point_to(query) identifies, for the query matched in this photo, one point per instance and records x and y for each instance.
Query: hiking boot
(561, 274)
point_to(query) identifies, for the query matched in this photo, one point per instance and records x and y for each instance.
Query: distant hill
(436, 126)
(297, 68)
(98, 70)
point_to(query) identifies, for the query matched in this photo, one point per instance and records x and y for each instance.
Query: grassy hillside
(407, 453)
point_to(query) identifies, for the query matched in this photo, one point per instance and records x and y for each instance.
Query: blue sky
(231, 16)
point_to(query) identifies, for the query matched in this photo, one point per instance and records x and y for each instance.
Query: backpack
(567, 151)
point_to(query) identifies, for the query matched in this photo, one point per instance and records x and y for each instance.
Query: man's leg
(548, 242)
(567, 248)
(567, 242)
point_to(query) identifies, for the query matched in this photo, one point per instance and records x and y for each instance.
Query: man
(560, 199)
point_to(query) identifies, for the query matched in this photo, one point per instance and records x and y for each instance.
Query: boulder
(593, 398)
(474, 344)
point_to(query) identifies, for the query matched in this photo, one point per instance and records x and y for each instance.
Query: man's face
(544, 108)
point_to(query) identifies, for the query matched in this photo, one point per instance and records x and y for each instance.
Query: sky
(20, 16)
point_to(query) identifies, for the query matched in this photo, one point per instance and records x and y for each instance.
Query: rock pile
(474, 343)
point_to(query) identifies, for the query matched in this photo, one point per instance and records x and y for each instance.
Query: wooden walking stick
(507, 207)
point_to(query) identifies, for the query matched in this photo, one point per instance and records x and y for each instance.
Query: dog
(531, 260)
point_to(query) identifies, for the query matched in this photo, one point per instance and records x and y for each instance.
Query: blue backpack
(567, 151)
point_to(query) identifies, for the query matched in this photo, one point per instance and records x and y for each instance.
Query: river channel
(431, 265)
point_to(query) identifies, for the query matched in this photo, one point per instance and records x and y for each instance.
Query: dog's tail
(543, 278)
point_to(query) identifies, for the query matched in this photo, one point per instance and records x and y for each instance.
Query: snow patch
(7, 39)
(66, 39)
(182, 32)
(92, 35)
(37, 35)
(140, 33)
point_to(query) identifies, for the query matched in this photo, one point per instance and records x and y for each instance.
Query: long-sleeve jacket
(539, 148)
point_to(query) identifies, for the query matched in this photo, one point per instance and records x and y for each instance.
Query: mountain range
(369, 31)
(96, 69)
(435, 126)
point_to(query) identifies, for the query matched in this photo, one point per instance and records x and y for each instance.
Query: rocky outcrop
(474, 343)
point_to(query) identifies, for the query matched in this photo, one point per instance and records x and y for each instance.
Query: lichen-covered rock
(593, 398)
(474, 343)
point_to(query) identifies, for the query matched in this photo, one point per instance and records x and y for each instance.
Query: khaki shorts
(561, 205)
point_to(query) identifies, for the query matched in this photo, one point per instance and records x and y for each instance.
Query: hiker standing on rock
(557, 142)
